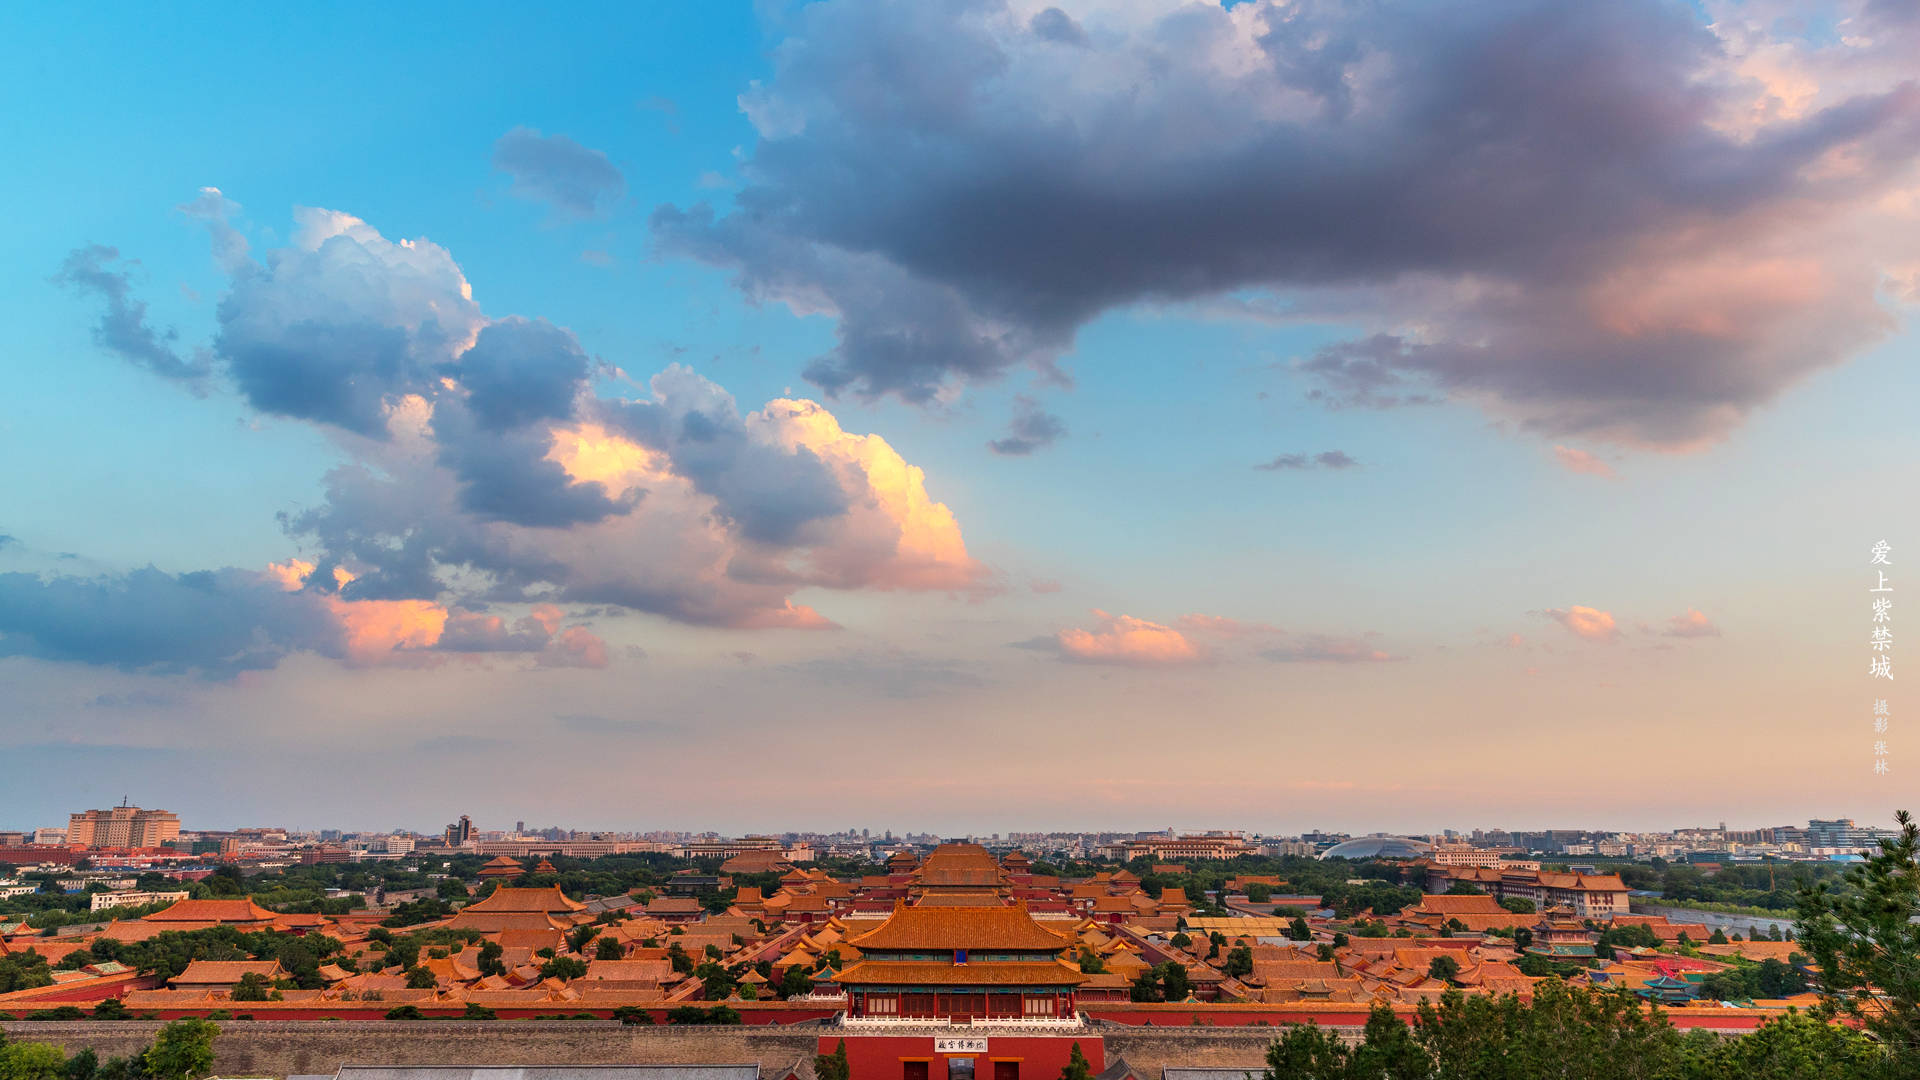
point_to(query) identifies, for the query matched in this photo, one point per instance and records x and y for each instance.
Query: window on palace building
(1039, 1007)
(959, 1069)
(913, 1070)
(1006, 1070)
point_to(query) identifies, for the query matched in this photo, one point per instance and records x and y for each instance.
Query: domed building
(1379, 847)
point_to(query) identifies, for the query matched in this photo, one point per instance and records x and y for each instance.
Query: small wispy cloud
(1591, 624)
(1581, 461)
(1325, 459)
(1032, 428)
(1692, 624)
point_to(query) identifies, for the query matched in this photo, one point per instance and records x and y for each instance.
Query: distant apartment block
(1456, 855)
(105, 900)
(1173, 849)
(122, 827)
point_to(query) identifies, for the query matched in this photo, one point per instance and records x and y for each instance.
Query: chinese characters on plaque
(1880, 644)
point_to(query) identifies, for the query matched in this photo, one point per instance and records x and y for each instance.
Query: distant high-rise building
(122, 827)
(520, 827)
(460, 832)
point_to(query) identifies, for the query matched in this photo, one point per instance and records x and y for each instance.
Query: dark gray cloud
(1376, 372)
(1325, 459)
(507, 476)
(339, 374)
(123, 328)
(1537, 207)
(554, 169)
(1057, 26)
(217, 622)
(1032, 428)
(519, 371)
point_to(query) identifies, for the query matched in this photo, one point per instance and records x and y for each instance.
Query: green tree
(1306, 1052)
(1794, 1047)
(252, 986)
(182, 1050)
(84, 1065)
(32, 1061)
(563, 967)
(833, 1066)
(795, 983)
(111, 1009)
(476, 1011)
(1864, 938)
(1239, 961)
(1519, 905)
(578, 937)
(632, 1014)
(1174, 982)
(1077, 1067)
(23, 971)
(406, 1012)
(418, 978)
(1443, 968)
(609, 948)
(1298, 930)
(1258, 892)
(490, 962)
(1389, 1050)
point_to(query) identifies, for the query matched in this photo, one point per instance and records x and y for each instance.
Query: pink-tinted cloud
(1221, 626)
(1591, 624)
(421, 633)
(1581, 461)
(575, 646)
(1123, 639)
(1693, 624)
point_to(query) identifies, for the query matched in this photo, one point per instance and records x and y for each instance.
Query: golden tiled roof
(986, 974)
(939, 929)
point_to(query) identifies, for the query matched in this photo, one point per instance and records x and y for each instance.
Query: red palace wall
(1037, 1057)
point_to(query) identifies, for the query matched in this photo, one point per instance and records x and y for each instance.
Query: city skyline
(753, 414)
(484, 826)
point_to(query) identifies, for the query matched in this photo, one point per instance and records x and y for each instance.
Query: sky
(964, 417)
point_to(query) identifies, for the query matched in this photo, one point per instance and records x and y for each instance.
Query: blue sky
(817, 203)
